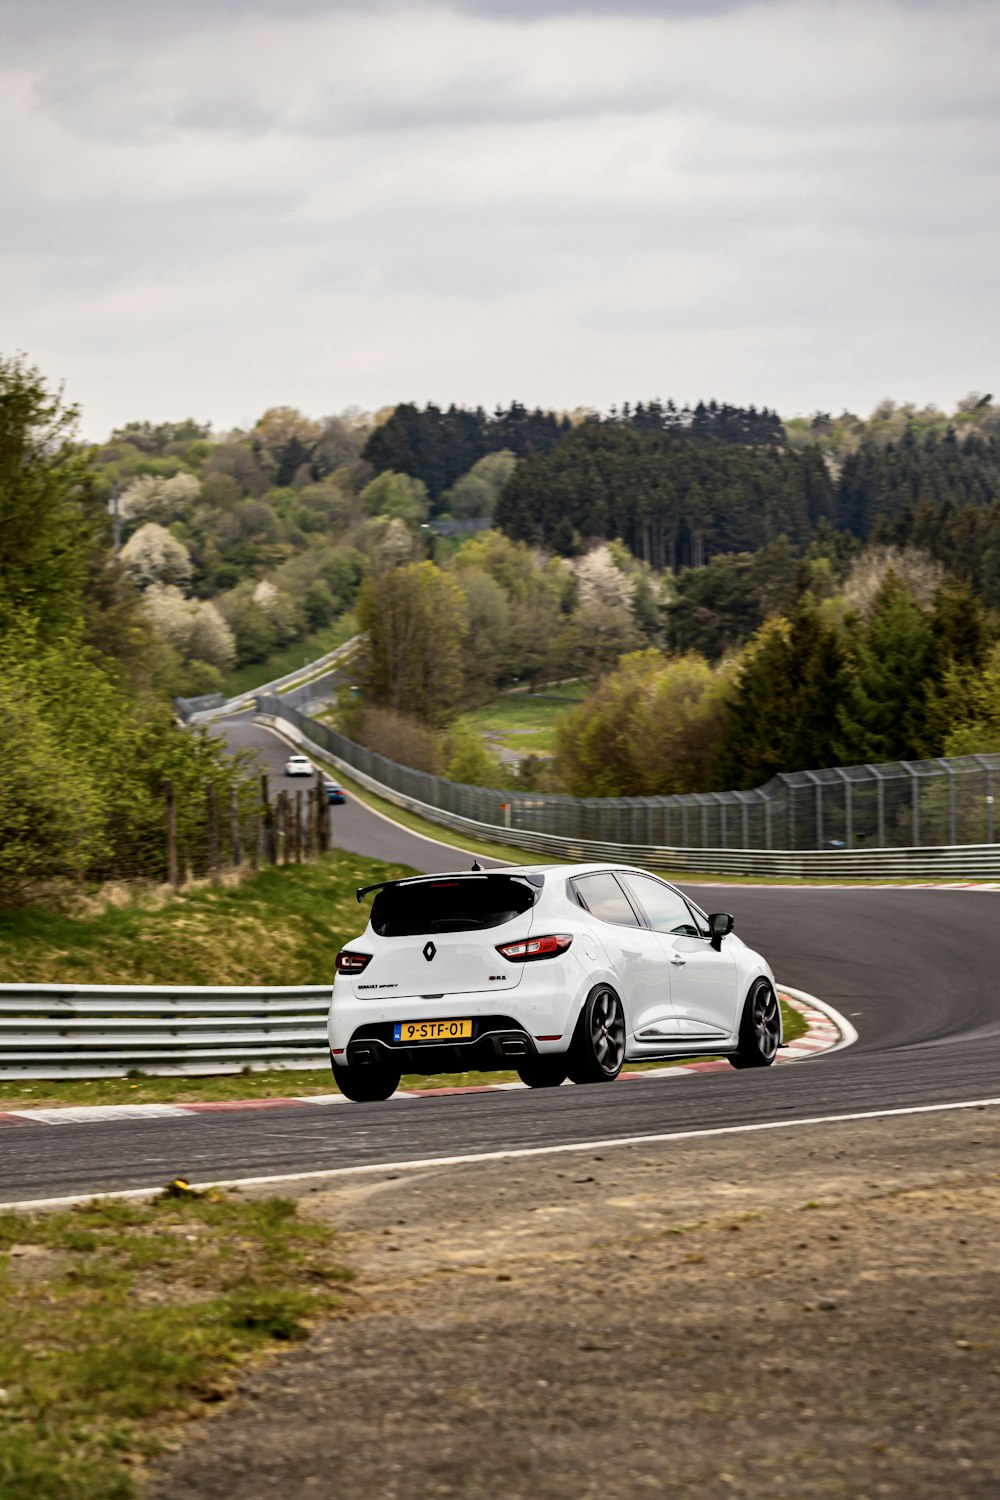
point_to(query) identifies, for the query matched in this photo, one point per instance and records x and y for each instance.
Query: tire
(368, 1084)
(543, 1072)
(597, 1051)
(760, 1028)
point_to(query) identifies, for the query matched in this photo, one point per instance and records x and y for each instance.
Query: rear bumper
(498, 1042)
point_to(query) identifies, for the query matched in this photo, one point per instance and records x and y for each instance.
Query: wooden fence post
(297, 838)
(282, 823)
(268, 823)
(173, 868)
(234, 827)
(212, 809)
(255, 832)
(313, 816)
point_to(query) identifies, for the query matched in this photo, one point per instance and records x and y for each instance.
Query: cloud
(218, 208)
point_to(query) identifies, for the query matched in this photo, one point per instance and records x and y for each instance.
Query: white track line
(426, 1163)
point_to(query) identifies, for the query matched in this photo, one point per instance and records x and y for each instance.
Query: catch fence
(900, 806)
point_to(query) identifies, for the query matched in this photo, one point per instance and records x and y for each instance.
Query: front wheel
(543, 1072)
(760, 1029)
(597, 1051)
(368, 1084)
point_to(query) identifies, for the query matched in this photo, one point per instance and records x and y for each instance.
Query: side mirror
(720, 924)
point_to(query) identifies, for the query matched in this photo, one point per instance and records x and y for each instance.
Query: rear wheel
(365, 1085)
(760, 1029)
(597, 1051)
(543, 1072)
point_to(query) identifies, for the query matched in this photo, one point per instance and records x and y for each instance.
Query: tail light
(537, 947)
(349, 962)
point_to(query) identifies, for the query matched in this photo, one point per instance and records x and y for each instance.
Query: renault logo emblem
(429, 951)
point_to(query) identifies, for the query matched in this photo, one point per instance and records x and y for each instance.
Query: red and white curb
(826, 1031)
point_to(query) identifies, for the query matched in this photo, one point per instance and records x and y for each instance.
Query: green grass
(281, 926)
(290, 658)
(116, 1317)
(525, 721)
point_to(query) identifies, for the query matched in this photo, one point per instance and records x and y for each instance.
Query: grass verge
(525, 721)
(281, 926)
(117, 1317)
(270, 1084)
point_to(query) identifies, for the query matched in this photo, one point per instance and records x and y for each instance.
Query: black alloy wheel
(543, 1072)
(366, 1085)
(760, 1029)
(598, 1047)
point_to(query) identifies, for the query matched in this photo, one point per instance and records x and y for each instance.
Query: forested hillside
(741, 595)
(673, 502)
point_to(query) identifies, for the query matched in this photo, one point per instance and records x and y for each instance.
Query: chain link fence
(902, 805)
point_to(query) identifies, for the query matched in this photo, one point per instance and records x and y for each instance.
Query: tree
(917, 570)
(784, 712)
(477, 492)
(648, 729)
(883, 715)
(469, 761)
(50, 521)
(396, 495)
(486, 646)
(150, 495)
(415, 621)
(152, 555)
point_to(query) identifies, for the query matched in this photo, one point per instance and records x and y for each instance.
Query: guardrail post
(173, 868)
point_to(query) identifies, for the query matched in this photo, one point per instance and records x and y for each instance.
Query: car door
(635, 954)
(703, 980)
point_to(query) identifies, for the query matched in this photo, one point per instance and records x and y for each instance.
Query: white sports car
(555, 970)
(298, 765)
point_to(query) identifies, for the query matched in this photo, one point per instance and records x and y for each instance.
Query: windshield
(455, 904)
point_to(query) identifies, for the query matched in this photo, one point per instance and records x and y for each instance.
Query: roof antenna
(476, 865)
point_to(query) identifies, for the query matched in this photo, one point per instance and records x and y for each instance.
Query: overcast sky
(211, 208)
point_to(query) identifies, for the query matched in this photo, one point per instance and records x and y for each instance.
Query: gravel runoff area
(807, 1312)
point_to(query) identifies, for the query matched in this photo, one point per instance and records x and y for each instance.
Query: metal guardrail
(93, 1031)
(933, 862)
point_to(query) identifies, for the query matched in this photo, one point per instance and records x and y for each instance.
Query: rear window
(456, 905)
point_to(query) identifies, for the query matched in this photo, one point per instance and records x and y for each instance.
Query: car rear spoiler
(531, 876)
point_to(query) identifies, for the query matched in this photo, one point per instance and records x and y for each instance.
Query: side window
(603, 897)
(666, 911)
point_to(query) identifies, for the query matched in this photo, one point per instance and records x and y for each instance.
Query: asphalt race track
(917, 971)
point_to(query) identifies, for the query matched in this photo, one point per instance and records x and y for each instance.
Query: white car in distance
(298, 765)
(558, 971)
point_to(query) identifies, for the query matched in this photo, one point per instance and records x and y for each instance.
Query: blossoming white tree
(152, 555)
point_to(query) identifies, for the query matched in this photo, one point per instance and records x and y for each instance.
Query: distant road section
(355, 827)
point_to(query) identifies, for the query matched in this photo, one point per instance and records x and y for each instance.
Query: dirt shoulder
(723, 1317)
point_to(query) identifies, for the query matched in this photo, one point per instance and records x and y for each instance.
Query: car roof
(566, 871)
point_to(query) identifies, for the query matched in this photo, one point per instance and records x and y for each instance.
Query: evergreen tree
(783, 712)
(883, 715)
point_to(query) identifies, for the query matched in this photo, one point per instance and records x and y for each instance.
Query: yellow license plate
(431, 1031)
